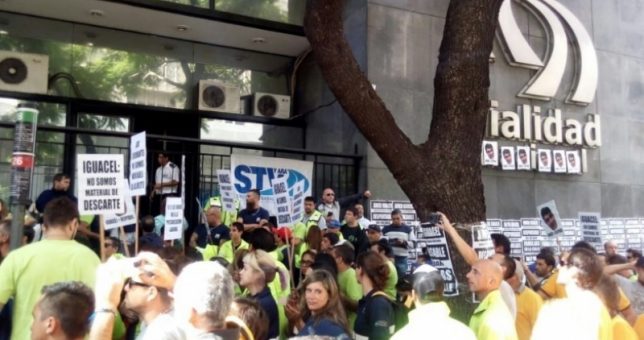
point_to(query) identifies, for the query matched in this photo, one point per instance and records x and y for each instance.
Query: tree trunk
(445, 171)
(446, 175)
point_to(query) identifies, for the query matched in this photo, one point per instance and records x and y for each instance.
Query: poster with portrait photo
(489, 154)
(523, 158)
(559, 161)
(544, 159)
(573, 161)
(550, 219)
(507, 158)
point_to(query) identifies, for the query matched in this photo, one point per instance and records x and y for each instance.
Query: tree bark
(446, 171)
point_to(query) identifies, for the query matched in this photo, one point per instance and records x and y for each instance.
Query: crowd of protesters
(238, 276)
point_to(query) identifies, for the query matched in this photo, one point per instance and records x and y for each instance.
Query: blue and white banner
(255, 172)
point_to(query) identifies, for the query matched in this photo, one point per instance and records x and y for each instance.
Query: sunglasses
(129, 283)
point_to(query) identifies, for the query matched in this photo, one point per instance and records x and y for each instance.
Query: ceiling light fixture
(258, 40)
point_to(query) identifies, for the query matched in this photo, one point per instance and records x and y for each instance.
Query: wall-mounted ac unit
(215, 95)
(270, 105)
(23, 72)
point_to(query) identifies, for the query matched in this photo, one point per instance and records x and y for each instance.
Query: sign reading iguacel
(254, 172)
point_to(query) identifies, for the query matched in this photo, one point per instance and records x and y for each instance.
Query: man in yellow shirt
(491, 319)
(528, 304)
(227, 249)
(56, 258)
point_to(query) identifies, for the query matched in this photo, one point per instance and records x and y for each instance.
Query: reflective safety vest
(226, 250)
(209, 252)
(313, 220)
(227, 217)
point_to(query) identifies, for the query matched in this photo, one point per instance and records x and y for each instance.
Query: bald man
(611, 248)
(492, 319)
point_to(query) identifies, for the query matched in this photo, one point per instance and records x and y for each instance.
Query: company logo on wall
(527, 123)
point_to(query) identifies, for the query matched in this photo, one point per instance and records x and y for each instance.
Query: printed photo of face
(572, 162)
(523, 156)
(559, 159)
(549, 218)
(489, 151)
(545, 160)
(507, 156)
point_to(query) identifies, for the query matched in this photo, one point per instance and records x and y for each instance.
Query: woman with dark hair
(375, 319)
(314, 238)
(321, 307)
(308, 258)
(250, 317)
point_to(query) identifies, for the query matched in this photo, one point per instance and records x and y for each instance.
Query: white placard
(574, 164)
(489, 154)
(298, 202)
(560, 161)
(127, 218)
(481, 241)
(226, 190)
(100, 184)
(138, 165)
(544, 159)
(550, 220)
(282, 201)
(435, 246)
(173, 219)
(507, 158)
(523, 158)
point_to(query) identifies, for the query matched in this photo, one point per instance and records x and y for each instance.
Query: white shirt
(163, 327)
(433, 319)
(507, 293)
(364, 223)
(166, 174)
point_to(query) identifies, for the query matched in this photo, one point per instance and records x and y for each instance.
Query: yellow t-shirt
(622, 330)
(25, 271)
(528, 305)
(554, 290)
(492, 320)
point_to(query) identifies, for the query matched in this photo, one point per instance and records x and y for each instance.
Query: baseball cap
(425, 268)
(284, 233)
(374, 227)
(333, 224)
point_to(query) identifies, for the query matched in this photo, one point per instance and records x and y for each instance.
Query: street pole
(22, 164)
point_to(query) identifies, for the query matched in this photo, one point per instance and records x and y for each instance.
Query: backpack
(401, 317)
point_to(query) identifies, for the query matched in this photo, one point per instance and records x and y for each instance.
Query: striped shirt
(404, 233)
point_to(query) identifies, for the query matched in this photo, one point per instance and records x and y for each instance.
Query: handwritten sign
(100, 184)
(138, 165)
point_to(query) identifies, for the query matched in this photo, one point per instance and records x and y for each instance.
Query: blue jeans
(400, 262)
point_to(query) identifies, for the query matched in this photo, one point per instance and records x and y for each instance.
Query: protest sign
(173, 219)
(531, 234)
(550, 220)
(282, 201)
(183, 180)
(494, 226)
(100, 184)
(569, 236)
(617, 233)
(512, 230)
(633, 229)
(128, 217)
(481, 241)
(590, 228)
(435, 247)
(381, 211)
(298, 202)
(138, 165)
(226, 190)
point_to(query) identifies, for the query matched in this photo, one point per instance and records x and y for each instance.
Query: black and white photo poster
(550, 220)
(489, 153)
(507, 158)
(523, 158)
(560, 161)
(544, 160)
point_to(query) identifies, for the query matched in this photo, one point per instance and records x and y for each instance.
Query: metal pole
(22, 164)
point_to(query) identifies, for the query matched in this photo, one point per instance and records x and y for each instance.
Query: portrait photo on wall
(559, 161)
(574, 163)
(550, 220)
(523, 158)
(507, 158)
(544, 159)
(490, 154)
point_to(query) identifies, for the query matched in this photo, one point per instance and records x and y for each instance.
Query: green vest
(313, 220)
(226, 250)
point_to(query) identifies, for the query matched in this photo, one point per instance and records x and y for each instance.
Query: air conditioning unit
(23, 72)
(270, 105)
(215, 95)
